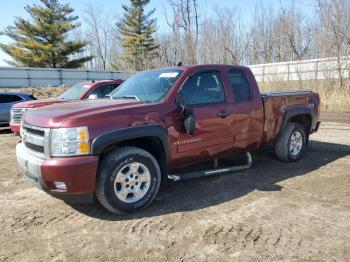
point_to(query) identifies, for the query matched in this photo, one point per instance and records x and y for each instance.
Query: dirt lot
(274, 211)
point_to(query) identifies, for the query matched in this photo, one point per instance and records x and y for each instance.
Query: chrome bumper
(29, 165)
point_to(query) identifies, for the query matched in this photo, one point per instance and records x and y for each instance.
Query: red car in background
(80, 91)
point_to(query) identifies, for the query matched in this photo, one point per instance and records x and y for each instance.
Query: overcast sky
(11, 9)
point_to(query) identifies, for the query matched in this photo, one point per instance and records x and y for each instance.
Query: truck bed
(278, 103)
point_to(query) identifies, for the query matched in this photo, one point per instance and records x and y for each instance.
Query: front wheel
(290, 145)
(128, 180)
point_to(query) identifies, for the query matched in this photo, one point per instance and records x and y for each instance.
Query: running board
(211, 172)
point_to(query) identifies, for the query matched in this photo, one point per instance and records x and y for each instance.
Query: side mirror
(190, 118)
(92, 96)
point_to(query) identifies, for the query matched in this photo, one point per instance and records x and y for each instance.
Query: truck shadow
(210, 191)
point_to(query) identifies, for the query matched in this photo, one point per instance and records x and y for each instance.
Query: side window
(9, 98)
(114, 86)
(102, 91)
(3, 99)
(204, 88)
(240, 85)
(15, 98)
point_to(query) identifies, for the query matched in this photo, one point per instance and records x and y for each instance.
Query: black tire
(283, 145)
(116, 162)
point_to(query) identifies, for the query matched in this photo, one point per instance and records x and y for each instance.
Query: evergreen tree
(43, 40)
(136, 30)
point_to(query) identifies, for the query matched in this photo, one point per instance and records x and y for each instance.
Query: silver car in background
(6, 101)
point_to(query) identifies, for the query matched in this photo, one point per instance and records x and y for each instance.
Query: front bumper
(78, 174)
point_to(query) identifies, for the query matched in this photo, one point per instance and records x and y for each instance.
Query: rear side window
(240, 85)
(15, 98)
(3, 99)
(204, 88)
(9, 98)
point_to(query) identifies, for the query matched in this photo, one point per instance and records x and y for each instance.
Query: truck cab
(158, 122)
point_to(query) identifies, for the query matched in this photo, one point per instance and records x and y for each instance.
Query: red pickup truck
(155, 125)
(81, 91)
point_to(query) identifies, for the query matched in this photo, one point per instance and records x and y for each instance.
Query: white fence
(25, 77)
(315, 69)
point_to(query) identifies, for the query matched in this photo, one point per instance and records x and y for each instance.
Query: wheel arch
(152, 138)
(301, 116)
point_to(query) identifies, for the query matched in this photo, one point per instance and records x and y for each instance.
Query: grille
(16, 115)
(34, 147)
(34, 139)
(34, 131)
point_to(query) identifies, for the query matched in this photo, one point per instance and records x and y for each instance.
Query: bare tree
(261, 49)
(334, 31)
(184, 24)
(224, 38)
(283, 34)
(101, 35)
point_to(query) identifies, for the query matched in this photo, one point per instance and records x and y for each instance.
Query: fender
(294, 112)
(100, 143)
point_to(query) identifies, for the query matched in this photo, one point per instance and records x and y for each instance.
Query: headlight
(70, 141)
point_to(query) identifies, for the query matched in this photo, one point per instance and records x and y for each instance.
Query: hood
(39, 103)
(54, 115)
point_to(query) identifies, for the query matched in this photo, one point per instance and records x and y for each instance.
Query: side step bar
(211, 172)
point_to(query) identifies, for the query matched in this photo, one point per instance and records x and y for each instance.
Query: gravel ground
(274, 211)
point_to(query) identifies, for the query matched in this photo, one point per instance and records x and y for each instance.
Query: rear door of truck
(246, 108)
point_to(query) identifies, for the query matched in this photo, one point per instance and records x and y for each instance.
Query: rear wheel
(290, 145)
(128, 180)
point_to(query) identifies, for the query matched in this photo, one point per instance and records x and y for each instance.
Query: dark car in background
(80, 91)
(7, 100)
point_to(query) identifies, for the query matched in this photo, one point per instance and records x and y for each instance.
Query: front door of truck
(204, 93)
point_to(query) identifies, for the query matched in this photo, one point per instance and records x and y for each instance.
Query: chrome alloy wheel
(296, 143)
(132, 182)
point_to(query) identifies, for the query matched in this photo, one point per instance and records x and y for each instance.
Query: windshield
(150, 86)
(75, 92)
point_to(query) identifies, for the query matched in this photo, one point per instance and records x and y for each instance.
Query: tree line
(53, 36)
